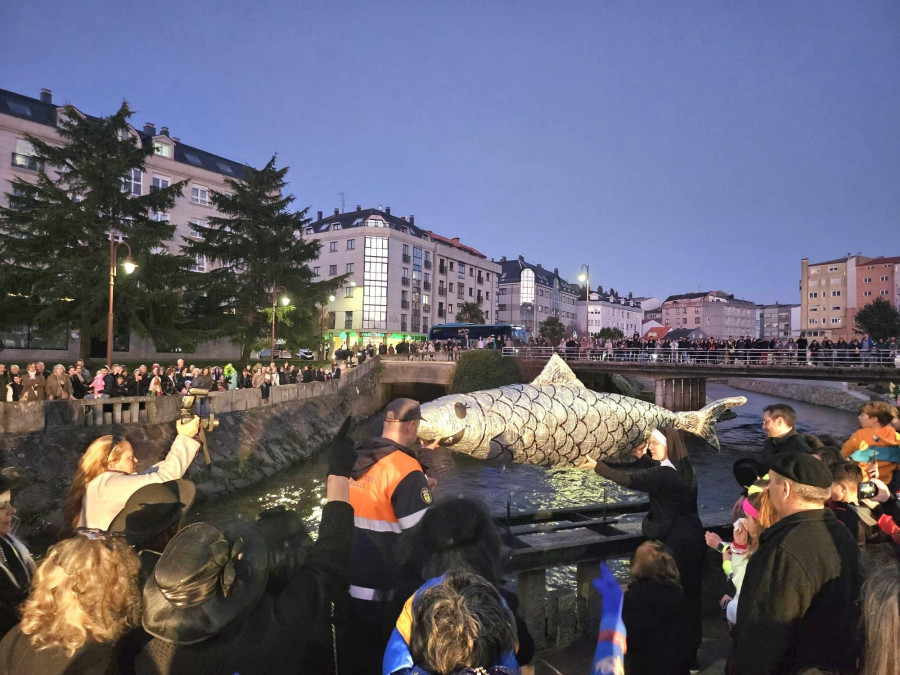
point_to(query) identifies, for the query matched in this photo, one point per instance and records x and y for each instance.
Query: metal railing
(838, 358)
(404, 281)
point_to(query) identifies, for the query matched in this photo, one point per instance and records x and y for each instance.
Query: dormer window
(162, 150)
(308, 230)
(337, 226)
(225, 168)
(193, 159)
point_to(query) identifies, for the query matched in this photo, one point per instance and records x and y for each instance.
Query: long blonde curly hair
(85, 590)
(93, 462)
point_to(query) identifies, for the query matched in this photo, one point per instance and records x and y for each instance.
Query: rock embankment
(833, 395)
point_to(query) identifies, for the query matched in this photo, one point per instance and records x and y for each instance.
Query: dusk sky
(672, 146)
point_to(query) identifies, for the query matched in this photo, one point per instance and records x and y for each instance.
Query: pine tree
(470, 312)
(552, 330)
(55, 236)
(256, 246)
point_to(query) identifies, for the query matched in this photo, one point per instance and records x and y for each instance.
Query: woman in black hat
(206, 605)
(16, 563)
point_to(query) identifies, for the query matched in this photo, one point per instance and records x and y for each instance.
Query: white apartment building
(609, 310)
(172, 161)
(401, 279)
(530, 294)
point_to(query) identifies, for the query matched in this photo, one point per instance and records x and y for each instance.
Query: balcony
(426, 308)
(460, 296)
(480, 279)
(404, 304)
(479, 298)
(440, 313)
(403, 328)
(442, 290)
(427, 264)
(404, 281)
(442, 269)
(427, 285)
(25, 162)
(406, 257)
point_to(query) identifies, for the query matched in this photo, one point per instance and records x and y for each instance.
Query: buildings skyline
(423, 298)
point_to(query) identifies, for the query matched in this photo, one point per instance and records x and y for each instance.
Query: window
(199, 264)
(200, 195)
(225, 168)
(348, 292)
(351, 244)
(195, 233)
(451, 265)
(488, 276)
(23, 157)
(162, 150)
(867, 293)
(348, 319)
(471, 271)
(814, 295)
(461, 270)
(375, 275)
(884, 278)
(835, 294)
(813, 322)
(884, 292)
(332, 269)
(697, 320)
(19, 108)
(193, 159)
(527, 286)
(449, 309)
(836, 308)
(836, 320)
(867, 280)
(336, 227)
(158, 183)
(316, 271)
(470, 291)
(131, 184)
(349, 268)
(405, 249)
(403, 322)
(404, 273)
(159, 216)
(332, 247)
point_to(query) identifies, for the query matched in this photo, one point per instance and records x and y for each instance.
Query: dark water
(302, 487)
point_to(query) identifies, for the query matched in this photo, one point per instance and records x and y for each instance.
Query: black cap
(802, 468)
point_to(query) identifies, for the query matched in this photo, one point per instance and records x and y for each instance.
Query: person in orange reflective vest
(389, 493)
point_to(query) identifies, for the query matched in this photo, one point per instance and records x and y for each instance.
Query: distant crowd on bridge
(746, 350)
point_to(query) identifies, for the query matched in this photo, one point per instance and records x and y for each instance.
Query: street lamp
(322, 326)
(285, 300)
(129, 266)
(585, 278)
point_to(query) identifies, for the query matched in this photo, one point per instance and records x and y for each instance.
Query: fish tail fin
(702, 422)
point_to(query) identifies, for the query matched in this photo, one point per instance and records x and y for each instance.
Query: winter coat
(790, 442)
(15, 580)
(656, 618)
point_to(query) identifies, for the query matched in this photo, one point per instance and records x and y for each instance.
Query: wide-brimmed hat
(209, 578)
(153, 509)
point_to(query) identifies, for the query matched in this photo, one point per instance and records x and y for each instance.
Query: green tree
(552, 330)
(55, 236)
(611, 333)
(880, 320)
(256, 246)
(470, 312)
(483, 369)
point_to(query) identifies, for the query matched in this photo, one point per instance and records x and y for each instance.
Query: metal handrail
(699, 356)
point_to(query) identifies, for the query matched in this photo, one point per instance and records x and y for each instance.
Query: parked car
(306, 354)
(279, 354)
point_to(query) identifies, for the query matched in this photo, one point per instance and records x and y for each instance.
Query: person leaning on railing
(106, 476)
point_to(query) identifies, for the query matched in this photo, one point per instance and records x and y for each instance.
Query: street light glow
(285, 301)
(330, 298)
(129, 265)
(582, 278)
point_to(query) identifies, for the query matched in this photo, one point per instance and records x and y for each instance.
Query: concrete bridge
(679, 385)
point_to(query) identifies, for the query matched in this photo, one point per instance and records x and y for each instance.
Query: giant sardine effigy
(556, 421)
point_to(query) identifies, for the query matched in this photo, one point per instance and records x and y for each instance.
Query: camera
(867, 490)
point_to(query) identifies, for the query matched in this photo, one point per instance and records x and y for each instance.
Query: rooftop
(511, 272)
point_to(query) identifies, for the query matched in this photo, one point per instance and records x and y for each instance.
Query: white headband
(659, 436)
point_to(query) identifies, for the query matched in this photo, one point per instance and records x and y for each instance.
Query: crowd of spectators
(863, 352)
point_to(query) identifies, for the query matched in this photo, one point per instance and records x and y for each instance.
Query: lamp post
(284, 302)
(322, 328)
(129, 266)
(585, 278)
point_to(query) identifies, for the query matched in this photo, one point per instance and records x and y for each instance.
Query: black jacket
(790, 442)
(799, 598)
(15, 581)
(656, 619)
(18, 657)
(274, 637)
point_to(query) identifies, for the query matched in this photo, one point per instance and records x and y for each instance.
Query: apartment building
(716, 313)
(775, 321)
(829, 296)
(878, 279)
(530, 294)
(610, 310)
(401, 279)
(172, 161)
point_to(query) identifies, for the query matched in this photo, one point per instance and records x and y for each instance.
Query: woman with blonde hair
(881, 623)
(84, 599)
(106, 476)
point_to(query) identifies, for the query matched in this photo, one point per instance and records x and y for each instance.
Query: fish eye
(461, 410)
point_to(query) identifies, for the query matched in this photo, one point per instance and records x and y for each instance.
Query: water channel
(302, 487)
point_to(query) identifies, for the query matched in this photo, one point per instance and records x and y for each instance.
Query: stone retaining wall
(841, 397)
(253, 441)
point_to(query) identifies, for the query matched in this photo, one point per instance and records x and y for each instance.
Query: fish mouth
(450, 441)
